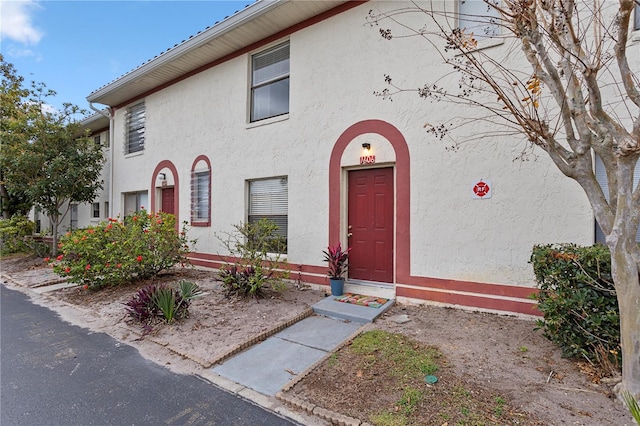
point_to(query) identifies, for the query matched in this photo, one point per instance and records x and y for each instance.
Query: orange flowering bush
(119, 251)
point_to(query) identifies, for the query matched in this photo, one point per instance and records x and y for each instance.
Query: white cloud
(15, 21)
(15, 52)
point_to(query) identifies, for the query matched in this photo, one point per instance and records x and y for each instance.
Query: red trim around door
(403, 191)
(176, 185)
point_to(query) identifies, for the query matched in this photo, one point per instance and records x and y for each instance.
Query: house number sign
(368, 159)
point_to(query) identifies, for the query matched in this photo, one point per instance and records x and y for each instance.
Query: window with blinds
(200, 194)
(477, 17)
(269, 199)
(601, 177)
(270, 83)
(134, 141)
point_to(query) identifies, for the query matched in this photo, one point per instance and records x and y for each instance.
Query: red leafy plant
(161, 301)
(337, 259)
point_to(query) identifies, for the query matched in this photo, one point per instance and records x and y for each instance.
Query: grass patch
(380, 378)
(406, 358)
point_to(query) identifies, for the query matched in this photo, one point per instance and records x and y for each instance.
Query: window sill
(277, 257)
(486, 44)
(201, 224)
(134, 154)
(267, 121)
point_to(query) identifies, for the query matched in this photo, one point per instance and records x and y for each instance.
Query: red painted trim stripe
(471, 287)
(528, 308)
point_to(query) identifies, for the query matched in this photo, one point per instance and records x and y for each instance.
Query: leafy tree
(45, 154)
(13, 135)
(573, 95)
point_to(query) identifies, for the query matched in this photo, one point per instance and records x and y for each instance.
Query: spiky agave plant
(632, 405)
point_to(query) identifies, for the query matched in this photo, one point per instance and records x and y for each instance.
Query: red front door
(167, 200)
(371, 224)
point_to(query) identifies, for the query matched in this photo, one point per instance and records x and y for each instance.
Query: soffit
(95, 122)
(250, 25)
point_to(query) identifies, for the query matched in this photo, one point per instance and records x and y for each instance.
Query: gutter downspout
(109, 115)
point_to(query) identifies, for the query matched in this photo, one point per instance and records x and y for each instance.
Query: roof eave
(235, 21)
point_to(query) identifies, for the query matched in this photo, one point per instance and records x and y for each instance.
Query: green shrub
(117, 252)
(257, 260)
(16, 235)
(578, 301)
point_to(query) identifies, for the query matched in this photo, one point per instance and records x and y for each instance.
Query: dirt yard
(497, 355)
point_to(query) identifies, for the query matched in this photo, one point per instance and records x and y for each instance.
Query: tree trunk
(626, 275)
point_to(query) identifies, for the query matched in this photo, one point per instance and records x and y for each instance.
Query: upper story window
(134, 140)
(479, 18)
(636, 21)
(270, 82)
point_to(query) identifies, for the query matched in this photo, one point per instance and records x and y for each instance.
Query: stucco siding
(336, 65)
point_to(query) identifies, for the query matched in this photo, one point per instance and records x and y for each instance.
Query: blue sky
(76, 47)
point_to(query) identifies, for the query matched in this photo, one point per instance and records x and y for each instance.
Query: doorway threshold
(370, 288)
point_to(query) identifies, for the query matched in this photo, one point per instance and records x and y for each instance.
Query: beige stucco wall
(335, 67)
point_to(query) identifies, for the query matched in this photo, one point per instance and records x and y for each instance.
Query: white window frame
(273, 74)
(201, 197)
(474, 16)
(269, 199)
(95, 210)
(135, 128)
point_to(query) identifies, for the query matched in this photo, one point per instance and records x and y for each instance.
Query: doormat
(359, 299)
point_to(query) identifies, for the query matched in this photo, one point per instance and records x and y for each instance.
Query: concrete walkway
(268, 366)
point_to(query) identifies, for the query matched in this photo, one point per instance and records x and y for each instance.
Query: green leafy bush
(15, 235)
(258, 262)
(160, 301)
(578, 301)
(117, 252)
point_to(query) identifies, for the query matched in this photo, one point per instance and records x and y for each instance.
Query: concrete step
(330, 307)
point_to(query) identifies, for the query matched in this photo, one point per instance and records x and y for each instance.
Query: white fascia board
(246, 15)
